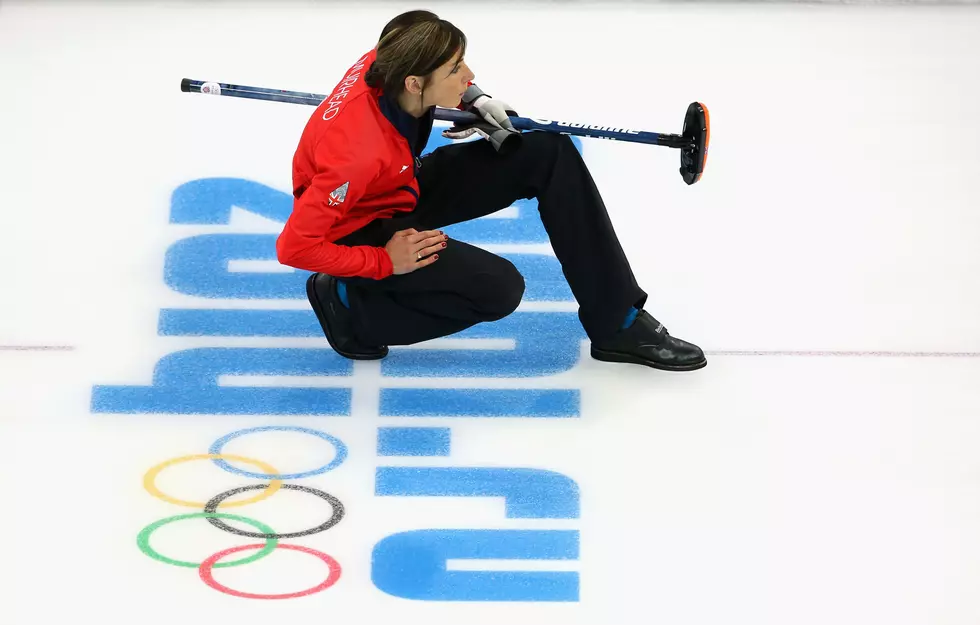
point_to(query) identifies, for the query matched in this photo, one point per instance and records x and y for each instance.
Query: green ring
(143, 539)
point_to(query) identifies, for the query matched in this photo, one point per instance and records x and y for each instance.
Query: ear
(414, 84)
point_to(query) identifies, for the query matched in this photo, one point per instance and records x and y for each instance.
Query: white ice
(822, 469)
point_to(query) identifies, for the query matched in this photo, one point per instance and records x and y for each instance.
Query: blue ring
(333, 464)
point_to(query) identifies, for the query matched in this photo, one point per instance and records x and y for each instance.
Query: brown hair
(415, 43)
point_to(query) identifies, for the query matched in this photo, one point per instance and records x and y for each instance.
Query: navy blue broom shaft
(252, 93)
(444, 114)
(582, 130)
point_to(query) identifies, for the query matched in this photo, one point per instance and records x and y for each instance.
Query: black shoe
(647, 342)
(337, 320)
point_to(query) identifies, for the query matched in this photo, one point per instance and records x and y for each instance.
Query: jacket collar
(415, 130)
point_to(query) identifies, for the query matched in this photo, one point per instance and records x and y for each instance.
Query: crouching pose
(368, 211)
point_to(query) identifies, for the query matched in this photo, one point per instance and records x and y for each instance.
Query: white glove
(496, 112)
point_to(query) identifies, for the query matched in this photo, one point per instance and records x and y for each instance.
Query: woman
(367, 211)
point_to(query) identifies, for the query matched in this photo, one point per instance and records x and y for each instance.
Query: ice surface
(822, 468)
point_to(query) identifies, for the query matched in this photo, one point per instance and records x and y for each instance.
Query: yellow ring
(149, 480)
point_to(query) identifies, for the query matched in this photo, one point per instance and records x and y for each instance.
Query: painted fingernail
(444, 244)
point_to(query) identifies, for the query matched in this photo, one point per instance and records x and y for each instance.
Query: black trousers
(468, 285)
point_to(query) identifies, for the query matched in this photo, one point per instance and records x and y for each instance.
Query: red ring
(205, 571)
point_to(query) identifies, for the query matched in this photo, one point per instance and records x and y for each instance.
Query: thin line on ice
(36, 348)
(844, 354)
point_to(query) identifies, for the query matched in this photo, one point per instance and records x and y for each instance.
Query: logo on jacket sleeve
(338, 195)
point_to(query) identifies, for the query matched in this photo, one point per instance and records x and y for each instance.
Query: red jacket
(356, 162)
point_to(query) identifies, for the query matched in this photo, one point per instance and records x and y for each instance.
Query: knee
(504, 289)
(548, 150)
(543, 141)
(550, 142)
(565, 147)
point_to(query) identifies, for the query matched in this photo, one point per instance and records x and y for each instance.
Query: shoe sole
(317, 306)
(608, 356)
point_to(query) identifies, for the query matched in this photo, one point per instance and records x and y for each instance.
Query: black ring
(338, 511)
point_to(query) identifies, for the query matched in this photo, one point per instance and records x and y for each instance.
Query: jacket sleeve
(339, 182)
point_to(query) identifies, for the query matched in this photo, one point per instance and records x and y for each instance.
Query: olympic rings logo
(209, 512)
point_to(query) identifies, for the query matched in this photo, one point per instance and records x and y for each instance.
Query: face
(445, 86)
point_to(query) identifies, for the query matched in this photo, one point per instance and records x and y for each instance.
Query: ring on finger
(418, 255)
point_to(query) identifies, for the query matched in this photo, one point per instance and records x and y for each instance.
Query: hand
(410, 249)
(497, 112)
(503, 141)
